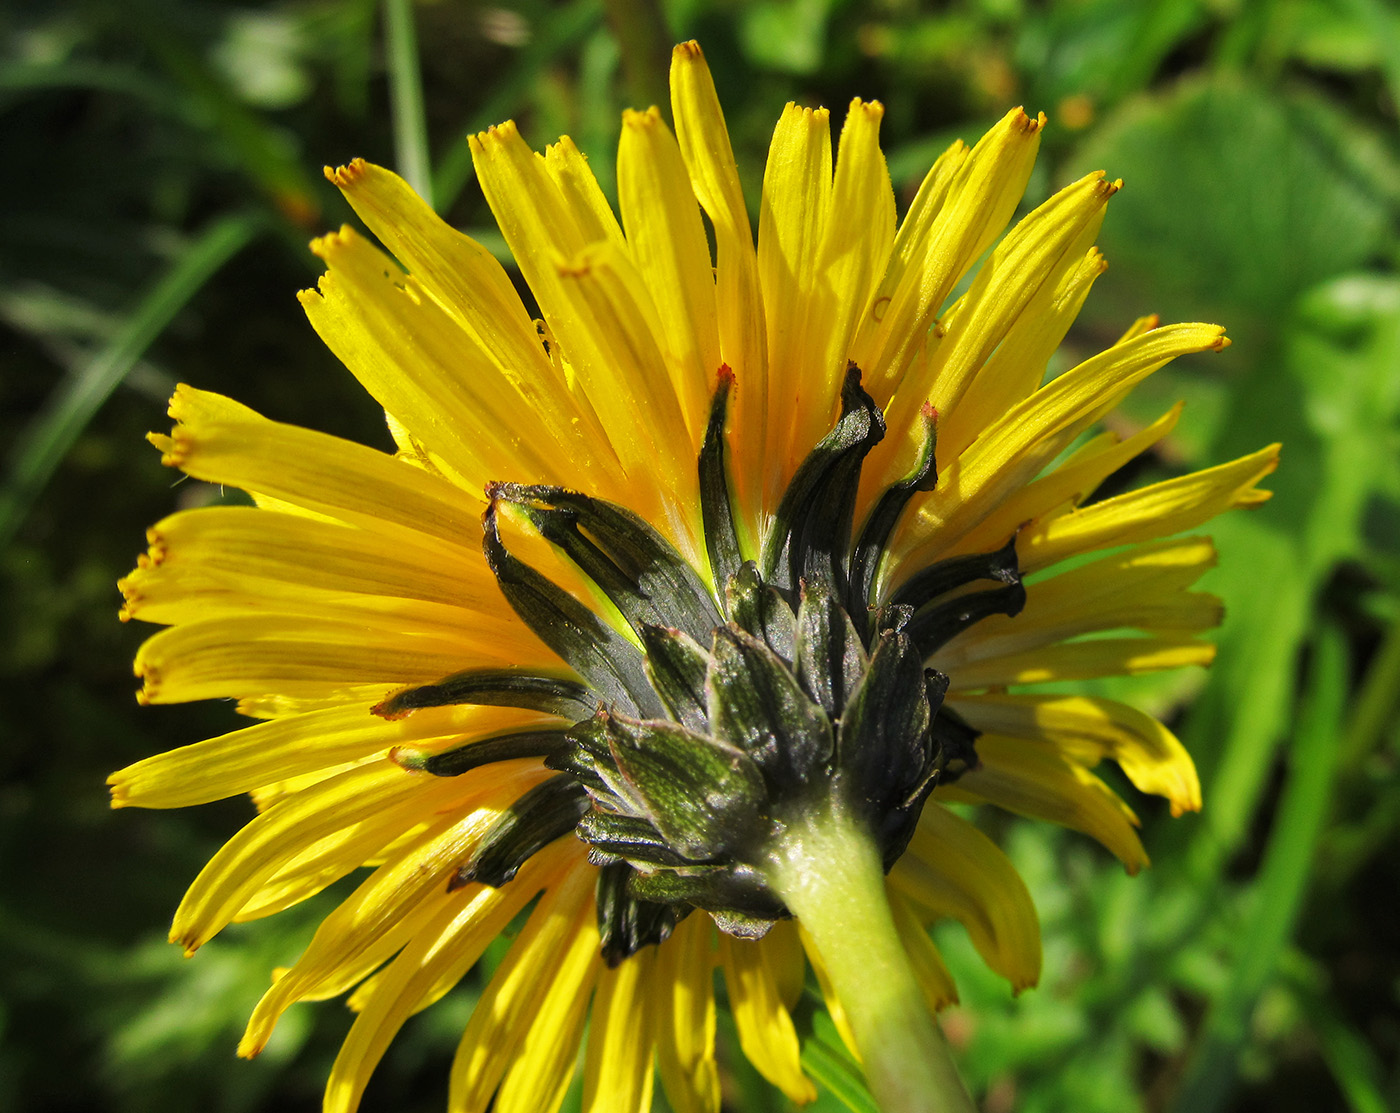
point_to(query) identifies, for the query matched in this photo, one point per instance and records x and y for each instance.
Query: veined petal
(766, 1032)
(428, 370)
(296, 655)
(685, 1011)
(1014, 371)
(220, 441)
(714, 177)
(1143, 588)
(299, 550)
(1160, 510)
(854, 251)
(243, 760)
(543, 1066)
(343, 808)
(1087, 729)
(460, 275)
(981, 196)
(1032, 433)
(618, 1076)
(666, 239)
(546, 968)
(953, 870)
(1083, 660)
(1031, 779)
(619, 360)
(783, 955)
(434, 961)
(582, 195)
(791, 228)
(832, 1001)
(1069, 484)
(929, 968)
(1026, 260)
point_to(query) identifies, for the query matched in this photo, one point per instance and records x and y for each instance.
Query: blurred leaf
(785, 35)
(825, 1059)
(261, 56)
(406, 98)
(1235, 203)
(52, 433)
(1352, 1061)
(268, 154)
(564, 28)
(1283, 879)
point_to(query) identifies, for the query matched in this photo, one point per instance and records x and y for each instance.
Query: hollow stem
(827, 870)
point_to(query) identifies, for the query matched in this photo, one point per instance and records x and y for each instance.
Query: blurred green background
(160, 184)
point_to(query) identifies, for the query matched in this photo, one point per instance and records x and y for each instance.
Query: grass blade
(406, 98)
(565, 27)
(1301, 816)
(74, 402)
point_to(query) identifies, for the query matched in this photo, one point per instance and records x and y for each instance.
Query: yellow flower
(754, 528)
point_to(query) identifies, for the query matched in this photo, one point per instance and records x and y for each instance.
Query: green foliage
(160, 188)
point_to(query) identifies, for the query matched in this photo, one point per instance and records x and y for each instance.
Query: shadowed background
(160, 184)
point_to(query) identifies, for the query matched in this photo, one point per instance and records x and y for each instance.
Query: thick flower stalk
(682, 611)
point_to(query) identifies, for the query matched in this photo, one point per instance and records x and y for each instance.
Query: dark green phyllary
(736, 712)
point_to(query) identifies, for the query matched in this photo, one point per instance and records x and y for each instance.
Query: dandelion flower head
(733, 536)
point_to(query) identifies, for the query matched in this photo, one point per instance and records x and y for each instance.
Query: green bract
(733, 713)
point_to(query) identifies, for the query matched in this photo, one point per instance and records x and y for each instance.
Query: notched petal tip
(344, 238)
(119, 790)
(1018, 120)
(687, 51)
(495, 136)
(343, 177)
(641, 119)
(874, 109)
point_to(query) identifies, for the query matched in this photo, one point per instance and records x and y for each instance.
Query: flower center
(729, 716)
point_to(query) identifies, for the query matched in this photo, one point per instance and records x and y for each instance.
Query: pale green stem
(827, 870)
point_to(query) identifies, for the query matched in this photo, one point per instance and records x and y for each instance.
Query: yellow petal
(1070, 483)
(581, 193)
(1031, 779)
(1033, 432)
(435, 377)
(791, 227)
(833, 1003)
(714, 177)
(544, 1065)
(548, 968)
(434, 961)
(982, 194)
(1015, 369)
(685, 1004)
(616, 352)
(667, 242)
(934, 979)
(951, 869)
(243, 760)
(853, 255)
(766, 1033)
(1142, 588)
(220, 441)
(397, 898)
(618, 1076)
(332, 809)
(1083, 660)
(1087, 729)
(783, 954)
(297, 655)
(1160, 510)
